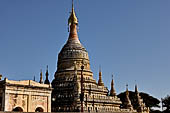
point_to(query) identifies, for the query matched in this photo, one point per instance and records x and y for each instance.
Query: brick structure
(24, 96)
(74, 88)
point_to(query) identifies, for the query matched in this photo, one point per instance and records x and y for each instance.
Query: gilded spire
(112, 91)
(72, 19)
(100, 82)
(72, 23)
(41, 77)
(46, 74)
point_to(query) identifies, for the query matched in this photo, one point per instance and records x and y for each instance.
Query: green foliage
(147, 99)
(166, 104)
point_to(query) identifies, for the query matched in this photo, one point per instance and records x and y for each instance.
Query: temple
(74, 86)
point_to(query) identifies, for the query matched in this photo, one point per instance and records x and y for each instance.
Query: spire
(72, 24)
(112, 91)
(127, 89)
(137, 95)
(127, 102)
(136, 89)
(127, 93)
(46, 74)
(100, 82)
(136, 92)
(139, 100)
(41, 77)
(72, 19)
(34, 78)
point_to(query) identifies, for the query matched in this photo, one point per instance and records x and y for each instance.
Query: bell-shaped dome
(73, 50)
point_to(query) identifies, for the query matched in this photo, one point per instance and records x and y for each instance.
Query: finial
(41, 77)
(72, 27)
(72, 4)
(127, 92)
(112, 91)
(126, 87)
(100, 68)
(100, 82)
(46, 80)
(47, 71)
(127, 102)
(136, 88)
(100, 73)
(72, 19)
(47, 67)
(112, 83)
(34, 78)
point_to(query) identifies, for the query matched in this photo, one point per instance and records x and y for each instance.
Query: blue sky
(128, 38)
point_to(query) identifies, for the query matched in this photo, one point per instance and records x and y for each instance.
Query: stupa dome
(73, 51)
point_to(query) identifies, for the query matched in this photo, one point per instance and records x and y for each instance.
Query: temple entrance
(39, 109)
(18, 109)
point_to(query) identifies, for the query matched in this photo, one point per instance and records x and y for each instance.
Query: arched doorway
(18, 109)
(39, 109)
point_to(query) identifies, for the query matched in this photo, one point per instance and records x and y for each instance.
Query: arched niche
(18, 109)
(39, 109)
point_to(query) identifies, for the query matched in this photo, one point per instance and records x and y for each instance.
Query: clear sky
(129, 38)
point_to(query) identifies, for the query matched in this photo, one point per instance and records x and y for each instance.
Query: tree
(166, 104)
(149, 101)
